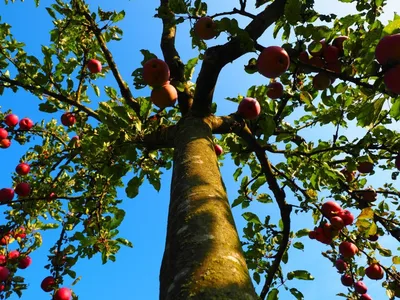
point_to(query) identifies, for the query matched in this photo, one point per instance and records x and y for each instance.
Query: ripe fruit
(373, 238)
(365, 297)
(63, 294)
(3, 260)
(317, 48)
(330, 209)
(5, 143)
(94, 66)
(205, 28)
(303, 57)
(20, 233)
(323, 235)
(4, 272)
(369, 195)
(341, 265)
(11, 120)
(348, 175)
(347, 280)
(14, 254)
(6, 195)
(164, 96)
(331, 54)
(23, 189)
(388, 49)
(365, 167)
(25, 124)
(3, 133)
(317, 61)
(391, 79)
(337, 222)
(22, 169)
(275, 90)
(48, 283)
(346, 216)
(249, 108)
(348, 249)
(360, 287)
(321, 81)
(374, 271)
(338, 42)
(273, 61)
(68, 119)
(218, 149)
(155, 72)
(5, 240)
(75, 141)
(52, 196)
(25, 262)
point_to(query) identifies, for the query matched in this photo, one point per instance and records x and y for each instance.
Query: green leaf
(300, 274)
(256, 277)
(295, 292)
(273, 294)
(302, 232)
(396, 260)
(118, 17)
(132, 188)
(237, 173)
(47, 107)
(252, 218)
(189, 68)
(298, 245)
(119, 216)
(392, 27)
(124, 242)
(293, 11)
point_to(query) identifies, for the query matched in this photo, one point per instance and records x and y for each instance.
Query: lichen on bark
(203, 258)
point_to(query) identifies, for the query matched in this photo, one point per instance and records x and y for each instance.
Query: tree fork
(203, 257)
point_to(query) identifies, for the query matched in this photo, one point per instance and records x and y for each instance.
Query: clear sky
(135, 273)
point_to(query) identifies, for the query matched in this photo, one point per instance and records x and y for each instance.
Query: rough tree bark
(203, 257)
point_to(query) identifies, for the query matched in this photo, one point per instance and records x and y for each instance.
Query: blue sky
(135, 273)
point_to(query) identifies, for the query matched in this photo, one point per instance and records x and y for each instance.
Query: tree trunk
(203, 258)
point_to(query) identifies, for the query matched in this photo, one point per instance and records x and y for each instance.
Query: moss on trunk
(203, 257)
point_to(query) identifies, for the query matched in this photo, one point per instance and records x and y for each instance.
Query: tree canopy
(311, 139)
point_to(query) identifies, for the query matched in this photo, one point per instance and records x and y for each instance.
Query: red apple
(365, 167)
(341, 265)
(347, 280)
(75, 141)
(360, 287)
(3, 133)
(348, 175)
(304, 58)
(346, 216)
(330, 209)
(273, 61)
(68, 119)
(369, 195)
(22, 169)
(312, 234)
(14, 254)
(392, 79)
(6, 195)
(365, 297)
(374, 271)
(25, 262)
(321, 81)
(312, 48)
(388, 49)
(20, 233)
(337, 222)
(25, 124)
(48, 284)
(2, 287)
(5, 240)
(94, 66)
(218, 149)
(205, 28)
(52, 196)
(323, 235)
(249, 108)
(11, 120)
(275, 90)
(5, 143)
(156, 72)
(3, 260)
(317, 62)
(331, 54)
(63, 294)
(4, 272)
(164, 96)
(338, 42)
(348, 249)
(23, 189)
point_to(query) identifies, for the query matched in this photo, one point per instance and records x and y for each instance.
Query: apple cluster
(387, 53)
(156, 74)
(338, 217)
(324, 56)
(11, 121)
(22, 189)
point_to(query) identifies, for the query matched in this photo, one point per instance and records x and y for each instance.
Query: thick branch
(217, 57)
(123, 87)
(171, 55)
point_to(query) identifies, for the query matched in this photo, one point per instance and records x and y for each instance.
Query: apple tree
(321, 70)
